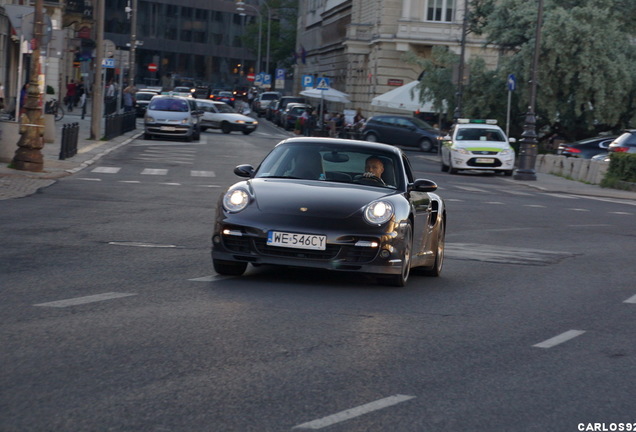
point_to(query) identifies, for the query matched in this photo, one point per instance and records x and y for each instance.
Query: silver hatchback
(172, 116)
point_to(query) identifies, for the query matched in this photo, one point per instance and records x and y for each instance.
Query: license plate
(168, 128)
(295, 240)
(484, 160)
(249, 127)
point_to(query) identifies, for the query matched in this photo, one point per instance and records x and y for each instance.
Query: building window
(440, 10)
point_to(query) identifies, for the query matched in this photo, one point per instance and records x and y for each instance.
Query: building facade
(359, 44)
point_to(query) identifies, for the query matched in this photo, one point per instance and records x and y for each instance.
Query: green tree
(586, 79)
(284, 14)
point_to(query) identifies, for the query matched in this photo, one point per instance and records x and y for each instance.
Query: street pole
(98, 86)
(269, 34)
(462, 59)
(528, 146)
(28, 156)
(133, 44)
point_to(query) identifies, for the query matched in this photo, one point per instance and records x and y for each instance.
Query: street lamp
(528, 146)
(240, 5)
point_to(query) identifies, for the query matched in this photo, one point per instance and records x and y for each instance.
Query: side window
(408, 170)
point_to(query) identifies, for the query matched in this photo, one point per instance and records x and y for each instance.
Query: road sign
(152, 67)
(267, 80)
(280, 78)
(308, 81)
(512, 82)
(323, 84)
(108, 63)
(250, 77)
(258, 79)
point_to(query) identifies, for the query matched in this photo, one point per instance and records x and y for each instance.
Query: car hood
(482, 145)
(319, 198)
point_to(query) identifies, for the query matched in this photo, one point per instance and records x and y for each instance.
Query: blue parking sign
(308, 81)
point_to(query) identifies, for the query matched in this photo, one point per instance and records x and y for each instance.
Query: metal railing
(70, 134)
(117, 124)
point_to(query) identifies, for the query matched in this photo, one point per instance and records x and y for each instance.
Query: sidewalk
(17, 184)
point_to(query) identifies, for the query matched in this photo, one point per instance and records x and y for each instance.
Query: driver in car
(373, 167)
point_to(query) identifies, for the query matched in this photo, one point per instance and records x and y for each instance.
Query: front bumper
(176, 130)
(363, 252)
(484, 162)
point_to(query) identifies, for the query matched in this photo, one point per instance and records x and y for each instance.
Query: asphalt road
(113, 318)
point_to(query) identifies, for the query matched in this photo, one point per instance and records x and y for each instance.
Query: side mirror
(423, 185)
(512, 140)
(244, 170)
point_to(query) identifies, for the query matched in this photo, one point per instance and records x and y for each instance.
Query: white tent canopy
(331, 95)
(406, 98)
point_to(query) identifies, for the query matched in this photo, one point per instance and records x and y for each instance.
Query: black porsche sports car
(333, 204)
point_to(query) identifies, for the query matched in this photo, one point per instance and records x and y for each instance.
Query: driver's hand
(368, 174)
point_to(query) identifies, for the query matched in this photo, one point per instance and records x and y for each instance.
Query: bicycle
(54, 107)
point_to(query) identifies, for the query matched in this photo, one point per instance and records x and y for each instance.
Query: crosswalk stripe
(154, 171)
(202, 174)
(106, 170)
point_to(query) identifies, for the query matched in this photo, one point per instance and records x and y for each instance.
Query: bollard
(70, 136)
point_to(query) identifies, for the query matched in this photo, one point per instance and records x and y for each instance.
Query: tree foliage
(586, 74)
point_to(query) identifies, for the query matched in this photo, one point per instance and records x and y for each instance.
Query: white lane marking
(556, 195)
(559, 339)
(106, 170)
(129, 181)
(494, 202)
(632, 299)
(210, 278)
(579, 210)
(354, 412)
(142, 244)
(208, 186)
(156, 171)
(471, 189)
(89, 179)
(454, 200)
(171, 184)
(534, 205)
(512, 192)
(621, 213)
(84, 300)
(202, 174)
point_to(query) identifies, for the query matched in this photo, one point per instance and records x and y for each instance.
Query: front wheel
(59, 114)
(247, 132)
(399, 280)
(229, 268)
(426, 145)
(225, 128)
(371, 138)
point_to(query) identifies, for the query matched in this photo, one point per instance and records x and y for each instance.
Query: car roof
(374, 146)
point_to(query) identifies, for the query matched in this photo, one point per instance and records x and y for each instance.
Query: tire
(229, 268)
(247, 132)
(59, 115)
(426, 145)
(436, 269)
(507, 173)
(147, 136)
(204, 128)
(225, 128)
(444, 166)
(371, 137)
(400, 280)
(452, 170)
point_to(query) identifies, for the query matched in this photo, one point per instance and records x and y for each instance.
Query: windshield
(479, 134)
(340, 163)
(144, 96)
(176, 105)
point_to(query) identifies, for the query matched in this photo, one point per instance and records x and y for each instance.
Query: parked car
(626, 143)
(142, 99)
(275, 111)
(477, 145)
(291, 114)
(219, 115)
(401, 130)
(172, 116)
(262, 102)
(311, 204)
(586, 148)
(182, 91)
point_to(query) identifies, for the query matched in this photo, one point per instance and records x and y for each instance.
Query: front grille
(473, 163)
(484, 152)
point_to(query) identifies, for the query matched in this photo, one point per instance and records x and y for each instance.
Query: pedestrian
(1, 96)
(71, 90)
(82, 103)
(129, 98)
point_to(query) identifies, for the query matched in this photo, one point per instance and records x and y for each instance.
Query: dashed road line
(559, 339)
(84, 300)
(154, 171)
(106, 170)
(354, 412)
(632, 300)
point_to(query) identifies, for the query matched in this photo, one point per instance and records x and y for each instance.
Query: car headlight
(236, 200)
(149, 119)
(460, 150)
(505, 152)
(239, 121)
(378, 212)
(186, 121)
